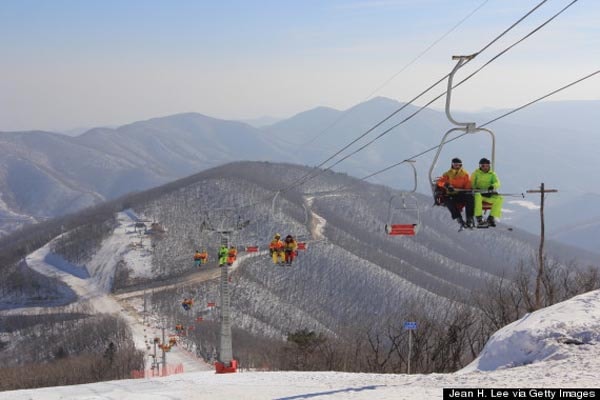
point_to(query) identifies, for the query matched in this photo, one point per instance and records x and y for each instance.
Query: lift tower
(225, 362)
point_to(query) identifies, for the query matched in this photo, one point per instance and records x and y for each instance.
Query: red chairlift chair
(409, 205)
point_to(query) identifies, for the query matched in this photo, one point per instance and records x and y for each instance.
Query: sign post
(409, 326)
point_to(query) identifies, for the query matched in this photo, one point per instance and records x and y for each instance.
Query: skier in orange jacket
(276, 248)
(231, 255)
(457, 178)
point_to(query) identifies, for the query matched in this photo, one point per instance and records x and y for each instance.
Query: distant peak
(378, 102)
(321, 110)
(381, 99)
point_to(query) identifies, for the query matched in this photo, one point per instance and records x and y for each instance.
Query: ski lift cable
(308, 176)
(411, 62)
(512, 26)
(345, 187)
(458, 84)
(433, 100)
(541, 98)
(305, 178)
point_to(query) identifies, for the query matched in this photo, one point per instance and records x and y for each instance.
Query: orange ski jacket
(276, 245)
(458, 178)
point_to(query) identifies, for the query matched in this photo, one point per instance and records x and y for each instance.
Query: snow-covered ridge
(553, 333)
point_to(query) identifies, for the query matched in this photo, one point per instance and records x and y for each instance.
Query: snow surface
(92, 284)
(318, 222)
(526, 204)
(551, 348)
(534, 351)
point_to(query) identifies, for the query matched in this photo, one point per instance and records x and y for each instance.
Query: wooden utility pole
(538, 281)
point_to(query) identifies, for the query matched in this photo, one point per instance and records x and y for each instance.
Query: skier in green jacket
(487, 183)
(223, 250)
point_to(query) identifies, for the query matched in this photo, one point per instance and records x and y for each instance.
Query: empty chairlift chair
(403, 214)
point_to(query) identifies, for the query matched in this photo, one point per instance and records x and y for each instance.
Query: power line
(337, 120)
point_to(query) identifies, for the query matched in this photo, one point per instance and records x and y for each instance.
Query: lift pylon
(225, 362)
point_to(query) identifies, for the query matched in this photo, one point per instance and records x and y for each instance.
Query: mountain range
(45, 174)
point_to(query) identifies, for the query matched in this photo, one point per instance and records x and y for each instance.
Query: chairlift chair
(300, 240)
(409, 205)
(466, 128)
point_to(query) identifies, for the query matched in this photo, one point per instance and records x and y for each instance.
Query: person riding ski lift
(223, 252)
(484, 179)
(231, 255)
(276, 249)
(457, 178)
(200, 258)
(290, 247)
(187, 304)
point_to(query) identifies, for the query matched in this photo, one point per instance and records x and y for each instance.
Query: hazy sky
(74, 63)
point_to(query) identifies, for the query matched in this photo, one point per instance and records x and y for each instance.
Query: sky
(70, 64)
(554, 347)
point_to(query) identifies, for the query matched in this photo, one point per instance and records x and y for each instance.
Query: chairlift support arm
(465, 127)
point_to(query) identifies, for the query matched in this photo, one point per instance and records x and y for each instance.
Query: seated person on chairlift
(276, 249)
(223, 253)
(290, 247)
(231, 255)
(484, 179)
(457, 178)
(187, 304)
(200, 258)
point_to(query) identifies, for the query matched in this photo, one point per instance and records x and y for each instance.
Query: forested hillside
(356, 276)
(353, 284)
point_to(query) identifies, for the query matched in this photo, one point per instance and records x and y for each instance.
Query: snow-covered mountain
(353, 284)
(44, 174)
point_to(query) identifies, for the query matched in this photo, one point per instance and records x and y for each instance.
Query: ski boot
(481, 223)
